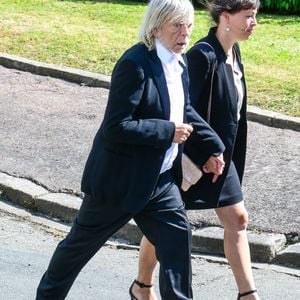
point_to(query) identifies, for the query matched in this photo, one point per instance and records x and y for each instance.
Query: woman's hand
(215, 165)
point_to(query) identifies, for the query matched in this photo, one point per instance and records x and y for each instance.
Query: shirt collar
(166, 56)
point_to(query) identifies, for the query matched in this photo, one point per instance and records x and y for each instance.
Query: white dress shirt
(172, 71)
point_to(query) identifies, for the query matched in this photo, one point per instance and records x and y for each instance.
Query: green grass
(91, 35)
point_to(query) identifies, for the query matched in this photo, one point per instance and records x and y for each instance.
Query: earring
(227, 29)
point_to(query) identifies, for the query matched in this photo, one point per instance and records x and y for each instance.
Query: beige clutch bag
(190, 173)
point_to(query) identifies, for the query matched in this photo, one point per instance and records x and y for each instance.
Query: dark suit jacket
(223, 120)
(128, 150)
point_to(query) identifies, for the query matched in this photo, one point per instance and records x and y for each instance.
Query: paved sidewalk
(46, 130)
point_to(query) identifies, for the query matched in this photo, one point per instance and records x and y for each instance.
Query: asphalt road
(27, 243)
(47, 126)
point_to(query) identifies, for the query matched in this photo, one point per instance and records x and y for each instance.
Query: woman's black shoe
(141, 285)
(240, 295)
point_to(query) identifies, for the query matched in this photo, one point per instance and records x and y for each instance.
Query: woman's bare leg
(147, 264)
(236, 247)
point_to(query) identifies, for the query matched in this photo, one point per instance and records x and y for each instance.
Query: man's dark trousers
(164, 223)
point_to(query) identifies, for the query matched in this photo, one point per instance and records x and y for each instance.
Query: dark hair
(216, 7)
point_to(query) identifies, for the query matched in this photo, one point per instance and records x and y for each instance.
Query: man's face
(175, 36)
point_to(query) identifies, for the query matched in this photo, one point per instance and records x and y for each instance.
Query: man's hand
(215, 165)
(182, 132)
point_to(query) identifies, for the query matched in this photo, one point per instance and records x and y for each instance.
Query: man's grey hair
(159, 12)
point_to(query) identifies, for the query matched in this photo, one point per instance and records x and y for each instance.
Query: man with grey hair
(134, 169)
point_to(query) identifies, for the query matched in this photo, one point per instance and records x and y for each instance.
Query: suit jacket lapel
(161, 83)
(185, 84)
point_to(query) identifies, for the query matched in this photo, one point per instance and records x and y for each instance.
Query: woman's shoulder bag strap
(214, 65)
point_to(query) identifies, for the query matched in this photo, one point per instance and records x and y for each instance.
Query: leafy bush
(282, 6)
(273, 6)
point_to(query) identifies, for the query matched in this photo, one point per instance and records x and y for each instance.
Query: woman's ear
(225, 16)
(224, 20)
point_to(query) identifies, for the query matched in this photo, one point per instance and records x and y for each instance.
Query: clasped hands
(215, 164)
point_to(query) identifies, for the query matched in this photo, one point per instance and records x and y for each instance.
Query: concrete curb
(272, 119)
(255, 114)
(265, 247)
(66, 73)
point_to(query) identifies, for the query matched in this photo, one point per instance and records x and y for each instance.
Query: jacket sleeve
(203, 142)
(122, 122)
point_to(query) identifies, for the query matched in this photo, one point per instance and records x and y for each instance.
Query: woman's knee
(234, 217)
(242, 220)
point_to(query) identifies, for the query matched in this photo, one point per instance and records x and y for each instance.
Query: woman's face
(242, 23)
(175, 36)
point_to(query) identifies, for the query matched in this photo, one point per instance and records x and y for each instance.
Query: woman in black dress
(218, 93)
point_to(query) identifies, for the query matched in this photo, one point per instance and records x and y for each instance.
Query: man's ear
(156, 32)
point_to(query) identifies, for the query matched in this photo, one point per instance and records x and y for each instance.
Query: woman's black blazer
(223, 120)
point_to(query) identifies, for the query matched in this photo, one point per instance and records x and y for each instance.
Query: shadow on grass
(125, 2)
(263, 18)
(280, 20)
(197, 6)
